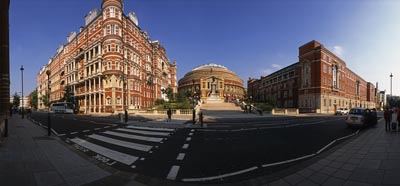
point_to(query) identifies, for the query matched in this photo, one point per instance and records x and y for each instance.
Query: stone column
(94, 102)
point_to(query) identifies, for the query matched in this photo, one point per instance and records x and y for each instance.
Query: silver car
(361, 117)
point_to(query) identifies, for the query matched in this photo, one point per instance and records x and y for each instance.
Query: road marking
(86, 130)
(97, 128)
(185, 146)
(142, 159)
(106, 127)
(288, 161)
(192, 130)
(126, 144)
(190, 134)
(188, 138)
(173, 172)
(115, 155)
(114, 125)
(219, 176)
(133, 166)
(131, 136)
(326, 146)
(150, 128)
(54, 132)
(145, 132)
(73, 133)
(61, 135)
(180, 156)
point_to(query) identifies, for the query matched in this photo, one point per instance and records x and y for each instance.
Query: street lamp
(48, 72)
(194, 112)
(391, 95)
(22, 97)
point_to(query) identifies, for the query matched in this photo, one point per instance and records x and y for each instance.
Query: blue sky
(250, 37)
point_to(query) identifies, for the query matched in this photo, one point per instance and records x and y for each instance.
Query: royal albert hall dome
(212, 81)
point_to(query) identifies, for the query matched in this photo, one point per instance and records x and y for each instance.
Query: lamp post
(194, 112)
(22, 92)
(48, 72)
(391, 95)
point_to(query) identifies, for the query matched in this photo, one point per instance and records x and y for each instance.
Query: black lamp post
(48, 72)
(22, 93)
(194, 112)
(391, 95)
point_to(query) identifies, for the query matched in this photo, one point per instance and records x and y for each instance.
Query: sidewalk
(29, 157)
(372, 158)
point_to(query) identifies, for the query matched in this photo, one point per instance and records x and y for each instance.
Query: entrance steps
(219, 106)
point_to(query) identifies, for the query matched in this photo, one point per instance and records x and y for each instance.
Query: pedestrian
(169, 114)
(388, 119)
(201, 118)
(398, 116)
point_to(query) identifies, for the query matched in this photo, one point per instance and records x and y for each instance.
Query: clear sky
(250, 37)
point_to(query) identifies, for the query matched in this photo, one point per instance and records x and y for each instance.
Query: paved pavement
(29, 157)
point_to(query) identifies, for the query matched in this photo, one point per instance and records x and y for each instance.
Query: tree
(68, 95)
(169, 93)
(45, 99)
(16, 100)
(34, 99)
(181, 97)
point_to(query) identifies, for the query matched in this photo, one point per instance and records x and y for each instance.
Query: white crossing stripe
(185, 146)
(173, 172)
(180, 156)
(115, 155)
(188, 138)
(126, 144)
(145, 132)
(131, 136)
(150, 128)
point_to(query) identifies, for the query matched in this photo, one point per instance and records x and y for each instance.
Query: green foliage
(34, 99)
(184, 105)
(169, 93)
(264, 106)
(394, 101)
(16, 100)
(45, 99)
(159, 102)
(181, 97)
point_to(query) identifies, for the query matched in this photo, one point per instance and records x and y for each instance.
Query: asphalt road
(228, 151)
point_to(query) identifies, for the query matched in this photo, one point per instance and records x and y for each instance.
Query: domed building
(212, 82)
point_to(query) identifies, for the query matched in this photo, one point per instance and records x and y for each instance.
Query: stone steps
(220, 106)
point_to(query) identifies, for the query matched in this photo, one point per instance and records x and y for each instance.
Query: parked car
(342, 111)
(361, 117)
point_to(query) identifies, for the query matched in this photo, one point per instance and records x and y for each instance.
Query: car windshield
(356, 111)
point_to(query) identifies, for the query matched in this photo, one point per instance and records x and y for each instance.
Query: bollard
(194, 116)
(6, 128)
(126, 116)
(201, 118)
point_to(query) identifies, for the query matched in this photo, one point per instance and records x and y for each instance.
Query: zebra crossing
(121, 146)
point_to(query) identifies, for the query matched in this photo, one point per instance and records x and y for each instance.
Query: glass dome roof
(209, 66)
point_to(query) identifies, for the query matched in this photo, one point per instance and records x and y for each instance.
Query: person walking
(169, 114)
(388, 118)
(398, 117)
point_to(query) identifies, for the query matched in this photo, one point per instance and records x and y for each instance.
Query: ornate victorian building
(212, 82)
(319, 82)
(110, 65)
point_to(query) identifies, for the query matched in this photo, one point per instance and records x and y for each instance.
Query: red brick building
(110, 65)
(321, 83)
